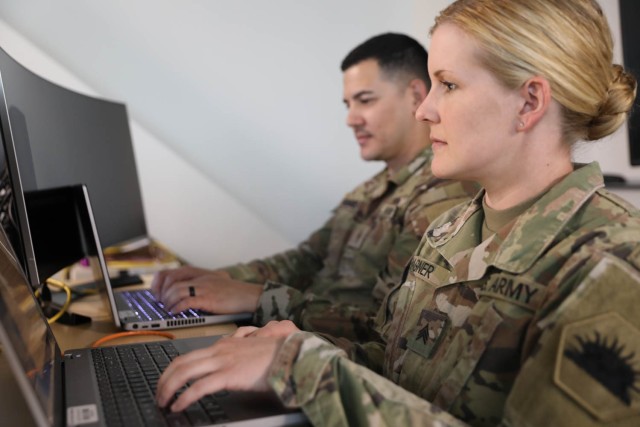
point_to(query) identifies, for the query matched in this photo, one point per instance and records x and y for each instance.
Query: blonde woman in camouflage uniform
(518, 308)
(335, 281)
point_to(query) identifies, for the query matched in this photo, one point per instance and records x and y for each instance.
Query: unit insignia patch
(598, 365)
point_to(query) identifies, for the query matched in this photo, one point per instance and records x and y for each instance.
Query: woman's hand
(229, 364)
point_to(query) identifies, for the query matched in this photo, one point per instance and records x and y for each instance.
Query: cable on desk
(84, 292)
(99, 342)
(61, 285)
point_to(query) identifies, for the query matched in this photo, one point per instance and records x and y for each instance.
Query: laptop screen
(26, 337)
(73, 238)
(59, 246)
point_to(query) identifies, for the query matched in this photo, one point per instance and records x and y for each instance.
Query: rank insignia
(428, 332)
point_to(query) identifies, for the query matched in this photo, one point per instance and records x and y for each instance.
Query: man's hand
(164, 279)
(212, 291)
(229, 364)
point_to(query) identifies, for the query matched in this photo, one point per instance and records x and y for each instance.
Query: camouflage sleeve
(295, 267)
(277, 302)
(314, 375)
(313, 313)
(586, 362)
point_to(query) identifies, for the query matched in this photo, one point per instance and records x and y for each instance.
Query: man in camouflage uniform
(335, 280)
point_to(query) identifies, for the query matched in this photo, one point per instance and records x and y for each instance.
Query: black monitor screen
(629, 14)
(13, 215)
(57, 230)
(65, 138)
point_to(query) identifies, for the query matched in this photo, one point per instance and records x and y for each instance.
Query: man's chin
(369, 157)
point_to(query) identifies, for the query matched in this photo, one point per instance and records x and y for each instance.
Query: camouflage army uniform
(537, 325)
(335, 281)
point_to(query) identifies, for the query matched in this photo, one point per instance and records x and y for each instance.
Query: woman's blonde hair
(566, 41)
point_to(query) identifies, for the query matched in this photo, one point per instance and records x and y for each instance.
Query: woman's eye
(448, 86)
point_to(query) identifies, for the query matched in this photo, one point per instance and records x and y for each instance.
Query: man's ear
(536, 99)
(418, 90)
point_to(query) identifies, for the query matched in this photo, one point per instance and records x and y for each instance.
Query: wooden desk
(13, 408)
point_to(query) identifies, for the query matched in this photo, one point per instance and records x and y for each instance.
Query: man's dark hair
(397, 55)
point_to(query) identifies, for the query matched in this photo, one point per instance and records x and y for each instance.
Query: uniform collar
(517, 246)
(378, 186)
(405, 172)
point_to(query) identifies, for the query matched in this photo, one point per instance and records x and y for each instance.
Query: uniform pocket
(419, 345)
(467, 349)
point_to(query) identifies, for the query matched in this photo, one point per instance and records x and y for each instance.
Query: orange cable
(110, 337)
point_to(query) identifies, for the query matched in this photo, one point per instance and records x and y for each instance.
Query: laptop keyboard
(127, 379)
(145, 304)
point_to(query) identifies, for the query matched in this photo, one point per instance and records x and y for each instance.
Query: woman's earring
(521, 124)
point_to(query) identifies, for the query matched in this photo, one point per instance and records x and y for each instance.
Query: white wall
(180, 221)
(241, 102)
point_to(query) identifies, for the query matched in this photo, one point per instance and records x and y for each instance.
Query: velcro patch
(429, 331)
(598, 365)
(358, 236)
(388, 211)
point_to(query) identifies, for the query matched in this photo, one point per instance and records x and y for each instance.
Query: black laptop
(109, 386)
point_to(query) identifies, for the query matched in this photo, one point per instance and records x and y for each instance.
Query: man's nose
(354, 118)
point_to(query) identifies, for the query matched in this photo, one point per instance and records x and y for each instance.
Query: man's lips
(362, 138)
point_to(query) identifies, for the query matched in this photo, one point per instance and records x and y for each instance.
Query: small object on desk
(59, 311)
(125, 279)
(144, 260)
(615, 180)
(68, 318)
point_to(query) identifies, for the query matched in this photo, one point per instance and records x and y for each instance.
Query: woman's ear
(536, 96)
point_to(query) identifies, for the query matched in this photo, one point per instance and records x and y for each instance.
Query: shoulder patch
(598, 365)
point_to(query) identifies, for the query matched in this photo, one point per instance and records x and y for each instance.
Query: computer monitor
(13, 214)
(629, 13)
(66, 138)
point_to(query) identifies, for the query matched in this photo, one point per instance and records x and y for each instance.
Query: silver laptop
(132, 309)
(110, 385)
